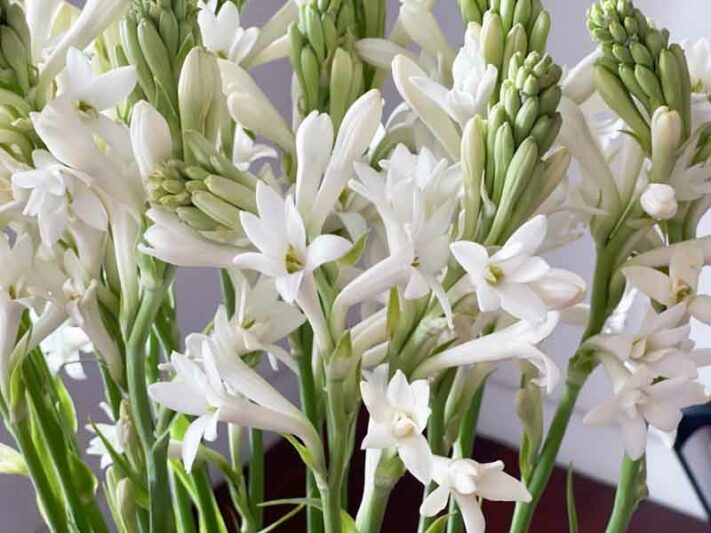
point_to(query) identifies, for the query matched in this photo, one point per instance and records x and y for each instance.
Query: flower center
(403, 426)
(85, 108)
(681, 290)
(494, 274)
(293, 261)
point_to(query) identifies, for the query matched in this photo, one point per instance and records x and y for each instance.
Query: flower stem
(256, 474)
(627, 495)
(301, 346)
(463, 448)
(161, 517)
(579, 368)
(372, 510)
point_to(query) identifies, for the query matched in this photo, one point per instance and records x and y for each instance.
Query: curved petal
(324, 249)
(416, 455)
(435, 501)
(651, 282)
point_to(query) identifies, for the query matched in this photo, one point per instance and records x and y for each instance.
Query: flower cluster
(391, 262)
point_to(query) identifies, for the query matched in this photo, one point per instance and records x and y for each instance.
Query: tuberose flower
(659, 201)
(398, 415)
(514, 279)
(279, 235)
(467, 481)
(474, 82)
(222, 33)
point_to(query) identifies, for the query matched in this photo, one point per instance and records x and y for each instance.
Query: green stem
(627, 495)
(435, 436)
(331, 502)
(464, 447)
(256, 474)
(579, 369)
(372, 511)
(302, 344)
(161, 516)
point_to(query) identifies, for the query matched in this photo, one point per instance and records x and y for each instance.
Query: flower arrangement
(390, 262)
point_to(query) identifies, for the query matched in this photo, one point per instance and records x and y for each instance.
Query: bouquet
(385, 261)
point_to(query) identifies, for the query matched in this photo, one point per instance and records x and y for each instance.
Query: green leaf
(120, 463)
(309, 502)
(271, 527)
(570, 501)
(353, 256)
(439, 525)
(66, 404)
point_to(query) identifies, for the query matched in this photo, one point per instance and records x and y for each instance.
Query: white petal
(324, 249)
(314, 142)
(192, 438)
(651, 282)
(178, 397)
(150, 137)
(472, 516)
(416, 455)
(435, 501)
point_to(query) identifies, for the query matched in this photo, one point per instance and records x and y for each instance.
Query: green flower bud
(200, 94)
(522, 12)
(314, 32)
(516, 43)
(473, 166)
(196, 219)
(470, 11)
(232, 192)
(217, 209)
(616, 96)
(341, 81)
(525, 119)
(492, 39)
(504, 148)
(539, 33)
(650, 85)
(312, 77)
(641, 55)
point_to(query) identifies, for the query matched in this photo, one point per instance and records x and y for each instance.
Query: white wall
(594, 451)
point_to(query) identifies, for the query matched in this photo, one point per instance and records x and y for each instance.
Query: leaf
(283, 519)
(120, 463)
(439, 525)
(353, 256)
(11, 461)
(310, 502)
(570, 501)
(66, 404)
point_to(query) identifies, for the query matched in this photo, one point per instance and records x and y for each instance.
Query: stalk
(577, 375)
(464, 447)
(256, 474)
(161, 518)
(184, 521)
(210, 518)
(302, 344)
(627, 495)
(372, 510)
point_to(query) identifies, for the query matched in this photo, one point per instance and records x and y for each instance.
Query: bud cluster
(511, 27)
(157, 36)
(322, 52)
(208, 195)
(637, 61)
(17, 73)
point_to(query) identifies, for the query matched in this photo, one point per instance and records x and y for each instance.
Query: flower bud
(11, 462)
(659, 201)
(199, 94)
(666, 137)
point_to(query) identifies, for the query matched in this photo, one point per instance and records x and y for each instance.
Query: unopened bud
(666, 137)
(659, 201)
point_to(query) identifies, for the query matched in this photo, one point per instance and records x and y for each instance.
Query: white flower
(260, 321)
(515, 342)
(640, 400)
(58, 195)
(115, 435)
(223, 388)
(151, 140)
(325, 166)
(515, 280)
(474, 82)
(194, 249)
(690, 181)
(64, 348)
(94, 18)
(698, 57)
(662, 344)
(90, 93)
(659, 201)
(467, 481)
(221, 31)
(430, 113)
(680, 285)
(251, 108)
(246, 151)
(279, 235)
(398, 415)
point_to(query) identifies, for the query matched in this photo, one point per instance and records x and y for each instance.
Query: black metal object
(696, 421)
